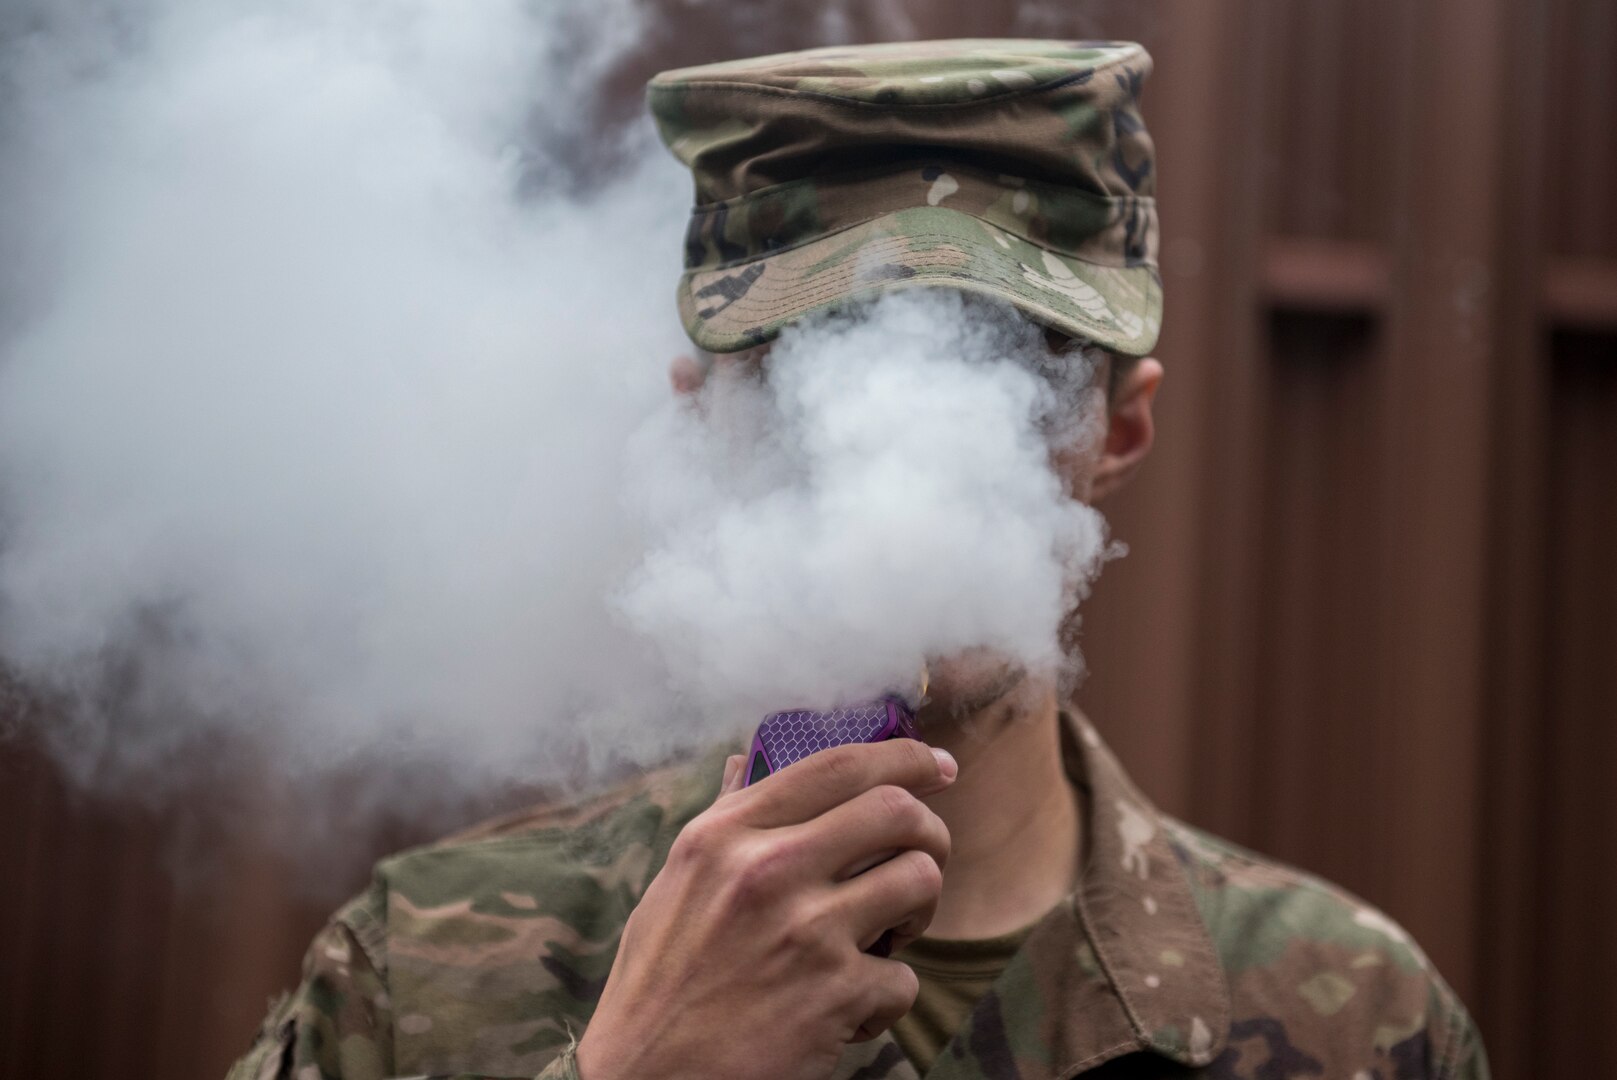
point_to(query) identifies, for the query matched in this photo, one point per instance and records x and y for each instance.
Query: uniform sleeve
(336, 1025)
(1455, 1040)
(1467, 1059)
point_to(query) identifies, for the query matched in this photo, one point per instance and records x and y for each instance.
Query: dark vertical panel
(1576, 871)
(1219, 343)
(123, 954)
(1232, 437)
(24, 904)
(1582, 106)
(235, 938)
(1434, 409)
(1327, 164)
(133, 952)
(1509, 949)
(83, 883)
(1573, 716)
(1315, 767)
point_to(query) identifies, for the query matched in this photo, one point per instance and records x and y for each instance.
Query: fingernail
(946, 763)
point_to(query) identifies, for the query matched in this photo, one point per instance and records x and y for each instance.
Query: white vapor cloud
(882, 498)
(312, 427)
(333, 417)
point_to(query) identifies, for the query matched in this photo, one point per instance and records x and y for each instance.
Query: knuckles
(906, 987)
(917, 823)
(899, 805)
(927, 876)
(701, 841)
(843, 767)
(883, 1000)
(708, 840)
(918, 758)
(761, 870)
(812, 931)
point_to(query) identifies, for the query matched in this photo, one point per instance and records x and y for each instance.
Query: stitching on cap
(806, 301)
(731, 264)
(830, 289)
(743, 303)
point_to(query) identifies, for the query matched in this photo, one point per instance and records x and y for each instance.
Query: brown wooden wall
(1369, 620)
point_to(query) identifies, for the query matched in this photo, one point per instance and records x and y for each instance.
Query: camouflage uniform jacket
(1178, 955)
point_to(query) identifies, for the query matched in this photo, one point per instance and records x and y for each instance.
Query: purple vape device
(785, 737)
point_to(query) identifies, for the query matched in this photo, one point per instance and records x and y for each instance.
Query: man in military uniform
(1048, 921)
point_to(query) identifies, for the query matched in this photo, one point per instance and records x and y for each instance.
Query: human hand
(745, 957)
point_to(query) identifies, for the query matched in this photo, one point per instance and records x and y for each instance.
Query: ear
(1130, 428)
(686, 373)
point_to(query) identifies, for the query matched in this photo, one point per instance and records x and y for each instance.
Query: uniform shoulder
(675, 786)
(1254, 904)
(1311, 958)
(622, 826)
(581, 860)
(518, 918)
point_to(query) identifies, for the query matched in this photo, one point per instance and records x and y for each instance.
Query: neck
(1013, 816)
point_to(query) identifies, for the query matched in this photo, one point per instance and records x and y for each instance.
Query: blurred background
(1368, 622)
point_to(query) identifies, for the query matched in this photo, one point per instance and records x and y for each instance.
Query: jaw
(975, 694)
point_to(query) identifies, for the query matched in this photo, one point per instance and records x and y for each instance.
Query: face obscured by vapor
(332, 419)
(882, 497)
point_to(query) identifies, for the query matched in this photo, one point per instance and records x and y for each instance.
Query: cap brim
(739, 306)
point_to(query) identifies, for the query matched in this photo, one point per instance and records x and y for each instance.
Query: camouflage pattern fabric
(1178, 955)
(1017, 169)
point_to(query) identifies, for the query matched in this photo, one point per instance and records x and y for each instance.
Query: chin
(966, 684)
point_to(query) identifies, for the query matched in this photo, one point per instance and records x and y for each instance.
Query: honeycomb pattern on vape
(792, 736)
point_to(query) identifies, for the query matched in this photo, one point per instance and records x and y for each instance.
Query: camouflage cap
(1016, 169)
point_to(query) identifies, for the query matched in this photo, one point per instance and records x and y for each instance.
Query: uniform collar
(1124, 965)
(1138, 914)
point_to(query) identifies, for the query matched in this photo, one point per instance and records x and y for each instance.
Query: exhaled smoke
(878, 493)
(332, 421)
(311, 414)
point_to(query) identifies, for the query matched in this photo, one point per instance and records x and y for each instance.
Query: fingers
(829, 778)
(890, 993)
(870, 828)
(899, 895)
